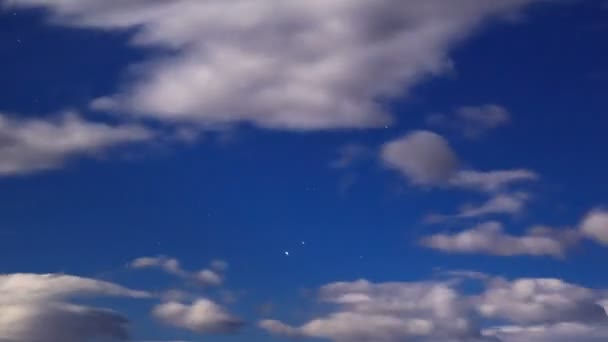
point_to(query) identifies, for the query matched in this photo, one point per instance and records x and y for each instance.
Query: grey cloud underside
(35, 308)
(426, 159)
(299, 65)
(437, 311)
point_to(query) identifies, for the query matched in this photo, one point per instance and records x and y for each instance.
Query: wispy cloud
(472, 122)
(30, 145)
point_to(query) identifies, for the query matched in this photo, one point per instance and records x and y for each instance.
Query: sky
(320, 170)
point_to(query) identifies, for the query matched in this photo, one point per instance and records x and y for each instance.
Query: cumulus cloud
(595, 226)
(213, 276)
(298, 65)
(201, 316)
(30, 145)
(424, 311)
(541, 301)
(490, 238)
(510, 311)
(426, 158)
(34, 308)
(472, 121)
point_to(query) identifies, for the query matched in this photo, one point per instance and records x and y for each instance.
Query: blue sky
(365, 171)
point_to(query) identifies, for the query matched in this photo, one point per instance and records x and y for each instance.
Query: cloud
(425, 311)
(169, 265)
(595, 226)
(540, 301)
(426, 159)
(423, 157)
(209, 277)
(31, 145)
(431, 311)
(491, 181)
(508, 203)
(489, 238)
(472, 122)
(499, 204)
(219, 265)
(299, 65)
(202, 316)
(33, 308)
(205, 277)
(561, 332)
(351, 154)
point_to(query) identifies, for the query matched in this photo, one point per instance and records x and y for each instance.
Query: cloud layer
(438, 311)
(300, 65)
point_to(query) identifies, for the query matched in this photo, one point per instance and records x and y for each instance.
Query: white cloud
(426, 158)
(472, 121)
(540, 301)
(507, 203)
(491, 181)
(299, 65)
(169, 265)
(419, 311)
(435, 311)
(489, 238)
(561, 332)
(30, 145)
(33, 307)
(595, 226)
(206, 277)
(209, 277)
(202, 316)
(500, 204)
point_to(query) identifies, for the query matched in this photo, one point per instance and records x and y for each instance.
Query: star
(286, 253)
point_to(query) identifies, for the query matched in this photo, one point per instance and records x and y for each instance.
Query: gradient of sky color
(343, 170)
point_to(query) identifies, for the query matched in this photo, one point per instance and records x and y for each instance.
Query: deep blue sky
(248, 194)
